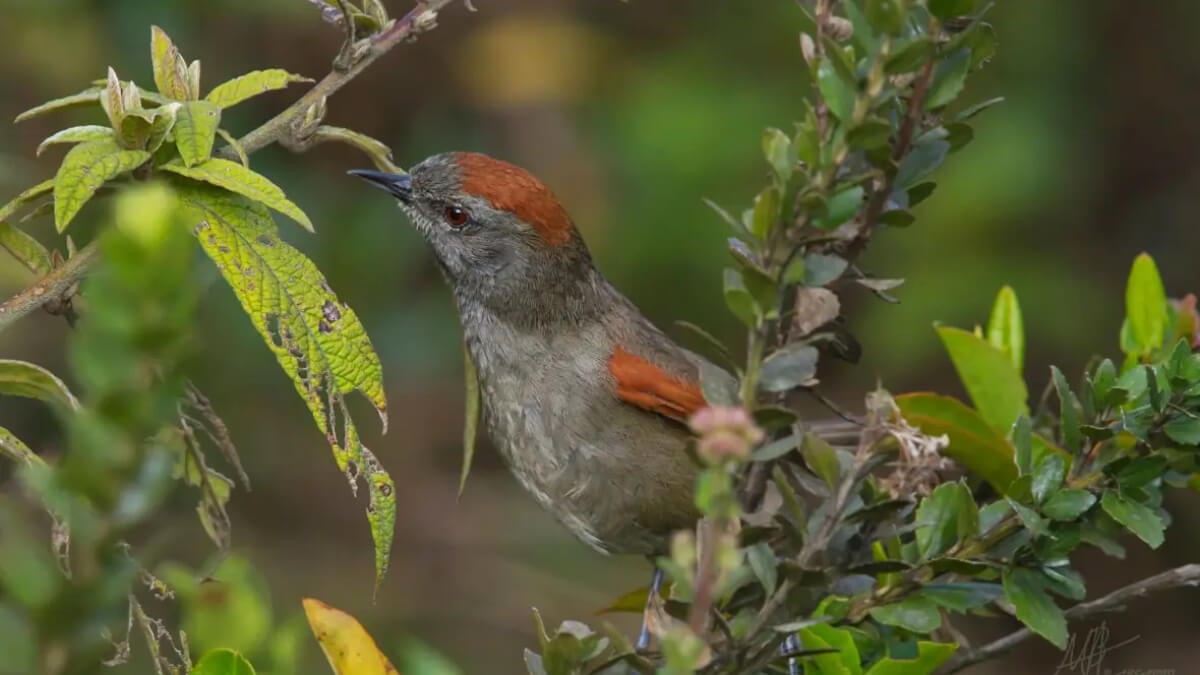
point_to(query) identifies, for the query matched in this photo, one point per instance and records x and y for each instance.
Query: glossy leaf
(196, 125)
(944, 517)
(1034, 608)
(1006, 329)
(930, 655)
(223, 662)
(846, 659)
(835, 90)
(21, 378)
(85, 168)
(1146, 306)
(995, 386)
(347, 645)
(1137, 518)
(251, 84)
(948, 9)
(1048, 476)
(237, 178)
(1068, 504)
(972, 441)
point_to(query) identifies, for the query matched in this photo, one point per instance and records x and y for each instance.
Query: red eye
(456, 216)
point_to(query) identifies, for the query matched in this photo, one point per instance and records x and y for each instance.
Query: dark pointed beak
(398, 184)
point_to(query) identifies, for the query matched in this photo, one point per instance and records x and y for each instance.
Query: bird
(585, 399)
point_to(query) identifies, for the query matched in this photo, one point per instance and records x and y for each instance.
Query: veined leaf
(995, 386)
(170, 73)
(972, 441)
(348, 646)
(318, 341)
(89, 95)
(196, 125)
(21, 378)
(26, 249)
(112, 100)
(223, 662)
(1137, 518)
(15, 449)
(471, 421)
(251, 84)
(26, 197)
(916, 614)
(237, 178)
(87, 132)
(1034, 607)
(1006, 329)
(85, 168)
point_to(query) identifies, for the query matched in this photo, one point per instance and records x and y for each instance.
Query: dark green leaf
(1022, 438)
(762, 562)
(1183, 429)
(959, 597)
(974, 110)
(820, 268)
(1024, 590)
(835, 90)
(788, 368)
(1048, 476)
(1065, 582)
(1068, 504)
(841, 207)
(948, 9)
(920, 192)
(897, 218)
(1141, 471)
(910, 57)
(1068, 412)
(948, 79)
(887, 16)
(822, 459)
(738, 299)
(1137, 518)
(872, 132)
(938, 519)
(1032, 521)
(920, 161)
(916, 614)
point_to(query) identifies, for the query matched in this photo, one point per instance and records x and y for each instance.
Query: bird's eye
(456, 216)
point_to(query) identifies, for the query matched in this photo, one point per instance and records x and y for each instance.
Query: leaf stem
(51, 287)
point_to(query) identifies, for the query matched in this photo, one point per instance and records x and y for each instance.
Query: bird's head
(496, 230)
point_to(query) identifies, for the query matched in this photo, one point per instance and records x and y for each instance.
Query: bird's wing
(641, 383)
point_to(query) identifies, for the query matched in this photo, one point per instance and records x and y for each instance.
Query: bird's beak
(398, 184)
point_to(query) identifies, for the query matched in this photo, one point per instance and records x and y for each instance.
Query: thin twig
(50, 288)
(1186, 575)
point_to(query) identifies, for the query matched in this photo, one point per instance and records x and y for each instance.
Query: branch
(54, 286)
(421, 18)
(1187, 575)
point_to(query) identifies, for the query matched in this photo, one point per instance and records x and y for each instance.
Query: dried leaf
(815, 307)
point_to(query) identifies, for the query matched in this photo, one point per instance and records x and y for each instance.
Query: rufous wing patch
(649, 387)
(510, 188)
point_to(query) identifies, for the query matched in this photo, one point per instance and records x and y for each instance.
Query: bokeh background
(632, 112)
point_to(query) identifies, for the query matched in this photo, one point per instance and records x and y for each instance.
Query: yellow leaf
(87, 132)
(26, 249)
(195, 129)
(86, 96)
(251, 84)
(237, 178)
(85, 168)
(346, 644)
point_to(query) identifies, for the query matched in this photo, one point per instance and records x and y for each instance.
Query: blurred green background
(631, 112)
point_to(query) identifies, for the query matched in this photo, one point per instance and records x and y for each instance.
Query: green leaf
(1068, 504)
(318, 341)
(1034, 608)
(1048, 476)
(872, 132)
(170, 70)
(1146, 306)
(930, 655)
(973, 110)
(822, 459)
(835, 90)
(821, 268)
(739, 300)
(87, 132)
(920, 161)
(717, 385)
(18, 642)
(995, 386)
(963, 596)
(1022, 438)
(1006, 330)
(21, 378)
(948, 9)
(1072, 437)
(1137, 518)
(223, 662)
(85, 97)
(471, 419)
(16, 450)
(85, 168)
(886, 15)
(776, 449)
(916, 614)
(778, 152)
(972, 441)
(938, 519)
(948, 79)
(762, 562)
(824, 636)
(251, 84)
(911, 56)
(237, 178)
(841, 207)
(25, 197)
(27, 250)
(196, 125)
(1181, 429)
(766, 212)
(1032, 520)
(788, 368)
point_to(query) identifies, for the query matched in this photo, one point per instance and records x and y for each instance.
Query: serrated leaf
(89, 95)
(87, 132)
(471, 419)
(1006, 329)
(915, 614)
(27, 250)
(237, 178)
(319, 341)
(995, 386)
(171, 81)
(16, 450)
(251, 84)
(85, 168)
(1137, 518)
(1034, 607)
(196, 125)
(348, 646)
(948, 79)
(21, 378)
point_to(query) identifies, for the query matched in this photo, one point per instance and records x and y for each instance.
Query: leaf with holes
(236, 178)
(196, 125)
(85, 168)
(27, 250)
(21, 378)
(251, 84)
(318, 341)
